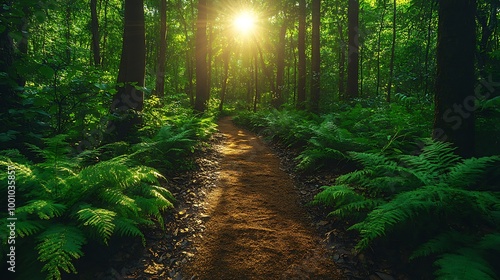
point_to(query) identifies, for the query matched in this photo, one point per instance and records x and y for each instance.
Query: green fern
(399, 192)
(128, 227)
(58, 246)
(111, 197)
(25, 227)
(45, 209)
(101, 220)
(439, 201)
(465, 264)
(462, 256)
(443, 243)
(345, 200)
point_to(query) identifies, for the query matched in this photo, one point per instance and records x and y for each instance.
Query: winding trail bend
(257, 228)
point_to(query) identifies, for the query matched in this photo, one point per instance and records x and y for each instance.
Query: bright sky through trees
(244, 22)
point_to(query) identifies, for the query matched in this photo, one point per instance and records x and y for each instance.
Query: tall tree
(379, 43)
(256, 82)
(202, 92)
(342, 51)
(7, 85)
(393, 49)
(353, 56)
(226, 57)
(162, 53)
(301, 90)
(129, 99)
(280, 65)
(316, 56)
(454, 98)
(94, 26)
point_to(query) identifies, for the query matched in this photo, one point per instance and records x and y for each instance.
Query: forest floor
(242, 214)
(257, 228)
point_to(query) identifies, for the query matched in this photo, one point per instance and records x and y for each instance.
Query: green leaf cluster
(445, 200)
(62, 204)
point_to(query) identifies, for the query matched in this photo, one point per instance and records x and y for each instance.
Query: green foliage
(430, 193)
(174, 142)
(100, 220)
(463, 255)
(62, 205)
(291, 128)
(57, 248)
(327, 140)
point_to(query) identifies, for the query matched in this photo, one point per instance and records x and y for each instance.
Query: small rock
(322, 223)
(205, 216)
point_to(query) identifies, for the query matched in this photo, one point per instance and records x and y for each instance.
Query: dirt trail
(257, 228)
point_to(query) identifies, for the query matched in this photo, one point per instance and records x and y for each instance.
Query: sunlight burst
(244, 22)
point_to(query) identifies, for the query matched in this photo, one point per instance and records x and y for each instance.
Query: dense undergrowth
(408, 192)
(66, 198)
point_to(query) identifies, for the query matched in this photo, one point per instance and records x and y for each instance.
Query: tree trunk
(427, 49)
(316, 56)
(301, 91)
(265, 69)
(104, 35)
(488, 22)
(379, 45)
(202, 93)
(353, 57)
(454, 99)
(8, 96)
(256, 83)
(129, 99)
(393, 48)
(225, 78)
(94, 26)
(280, 66)
(162, 53)
(342, 49)
(189, 87)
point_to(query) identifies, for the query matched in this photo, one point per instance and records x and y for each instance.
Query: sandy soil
(257, 228)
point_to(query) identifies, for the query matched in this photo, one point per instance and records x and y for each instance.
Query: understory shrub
(328, 139)
(62, 205)
(442, 199)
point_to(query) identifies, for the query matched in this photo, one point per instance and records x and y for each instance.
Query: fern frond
(45, 209)
(443, 243)
(469, 171)
(368, 159)
(118, 201)
(336, 195)
(356, 177)
(128, 227)
(466, 264)
(163, 194)
(346, 201)
(153, 207)
(429, 200)
(435, 160)
(99, 219)
(356, 208)
(25, 227)
(490, 242)
(58, 246)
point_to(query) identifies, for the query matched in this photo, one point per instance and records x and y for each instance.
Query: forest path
(257, 228)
